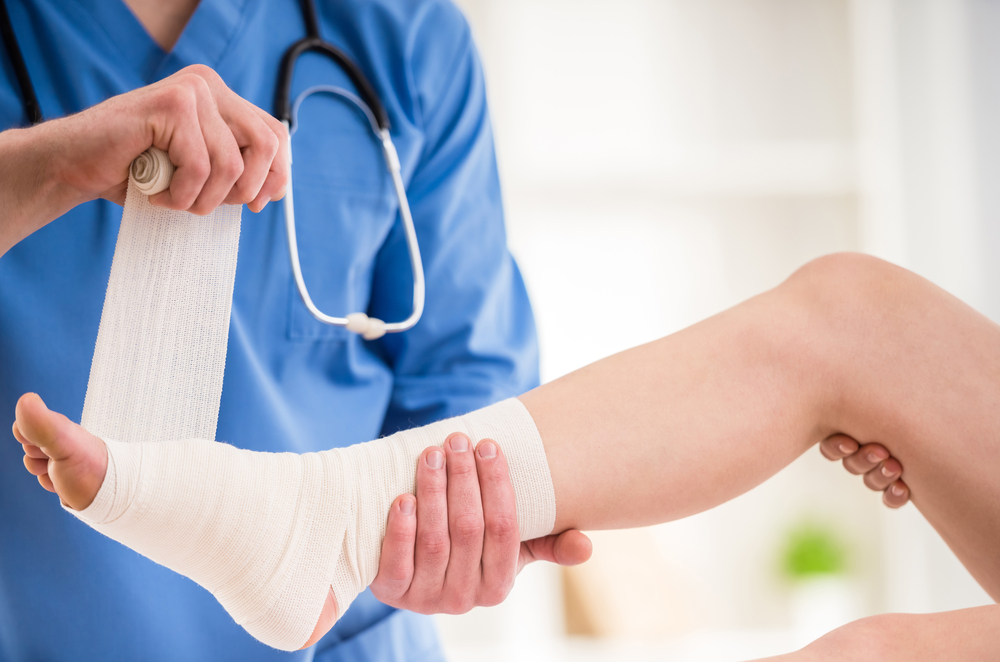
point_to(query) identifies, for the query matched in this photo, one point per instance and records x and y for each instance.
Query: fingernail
(459, 443)
(844, 448)
(487, 450)
(435, 459)
(406, 506)
(897, 490)
(872, 457)
(886, 471)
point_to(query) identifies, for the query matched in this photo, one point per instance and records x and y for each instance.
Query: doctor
(192, 78)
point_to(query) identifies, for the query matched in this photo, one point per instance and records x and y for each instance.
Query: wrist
(56, 165)
(34, 190)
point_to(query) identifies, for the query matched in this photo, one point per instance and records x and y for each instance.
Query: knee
(851, 276)
(850, 289)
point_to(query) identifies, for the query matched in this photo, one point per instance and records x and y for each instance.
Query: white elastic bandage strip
(269, 534)
(161, 347)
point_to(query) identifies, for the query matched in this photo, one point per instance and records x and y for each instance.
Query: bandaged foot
(270, 535)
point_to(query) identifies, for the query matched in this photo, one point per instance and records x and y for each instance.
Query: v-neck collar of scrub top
(205, 39)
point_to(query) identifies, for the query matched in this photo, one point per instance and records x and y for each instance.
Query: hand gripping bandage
(268, 534)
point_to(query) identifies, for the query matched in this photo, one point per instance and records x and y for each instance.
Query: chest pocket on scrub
(344, 209)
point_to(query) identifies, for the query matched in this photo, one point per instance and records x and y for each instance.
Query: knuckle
(461, 464)
(432, 484)
(200, 209)
(282, 169)
(194, 81)
(396, 579)
(280, 130)
(502, 528)
(200, 169)
(467, 527)
(269, 142)
(202, 71)
(494, 595)
(464, 604)
(401, 537)
(176, 99)
(458, 603)
(232, 165)
(435, 544)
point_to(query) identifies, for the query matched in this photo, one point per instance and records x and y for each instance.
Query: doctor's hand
(456, 544)
(883, 473)
(225, 149)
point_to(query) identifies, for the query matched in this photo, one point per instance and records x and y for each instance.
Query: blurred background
(663, 160)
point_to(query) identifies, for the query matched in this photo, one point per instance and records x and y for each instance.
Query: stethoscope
(367, 101)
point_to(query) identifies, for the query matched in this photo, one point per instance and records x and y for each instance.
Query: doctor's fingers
(896, 495)
(395, 568)
(433, 542)
(857, 459)
(221, 145)
(280, 169)
(567, 548)
(199, 143)
(501, 540)
(885, 478)
(460, 592)
(263, 142)
(866, 458)
(838, 446)
(225, 159)
(883, 475)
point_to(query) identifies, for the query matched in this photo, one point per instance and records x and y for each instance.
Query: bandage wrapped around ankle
(269, 534)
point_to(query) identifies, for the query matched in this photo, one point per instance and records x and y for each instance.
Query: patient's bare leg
(848, 344)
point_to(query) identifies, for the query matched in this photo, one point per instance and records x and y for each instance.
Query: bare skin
(964, 634)
(163, 20)
(847, 346)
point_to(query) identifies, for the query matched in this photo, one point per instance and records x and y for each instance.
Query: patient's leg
(848, 344)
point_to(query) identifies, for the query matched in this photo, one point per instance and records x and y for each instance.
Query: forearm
(32, 193)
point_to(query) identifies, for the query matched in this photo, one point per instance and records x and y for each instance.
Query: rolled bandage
(152, 171)
(271, 534)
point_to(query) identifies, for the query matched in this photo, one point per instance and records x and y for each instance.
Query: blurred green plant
(812, 550)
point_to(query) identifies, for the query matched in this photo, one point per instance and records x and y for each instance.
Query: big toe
(77, 459)
(37, 423)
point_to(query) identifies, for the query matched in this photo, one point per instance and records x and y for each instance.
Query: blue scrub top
(291, 383)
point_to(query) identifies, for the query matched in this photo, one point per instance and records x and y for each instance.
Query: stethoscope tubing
(395, 170)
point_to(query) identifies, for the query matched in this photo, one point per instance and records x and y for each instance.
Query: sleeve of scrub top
(476, 342)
